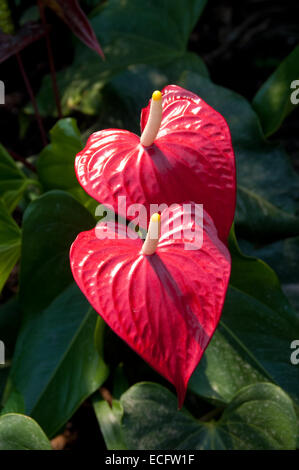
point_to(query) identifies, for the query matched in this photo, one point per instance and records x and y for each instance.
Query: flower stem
(33, 101)
(211, 414)
(17, 157)
(50, 59)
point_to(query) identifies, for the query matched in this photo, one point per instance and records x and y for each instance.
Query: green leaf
(13, 182)
(283, 257)
(14, 402)
(55, 165)
(10, 244)
(254, 335)
(19, 432)
(263, 169)
(109, 419)
(6, 22)
(56, 366)
(273, 100)
(4, 371)
(130, 32)
(260, 416)
(50, 225)
(267, 222)
(99, 334)
(120, 381)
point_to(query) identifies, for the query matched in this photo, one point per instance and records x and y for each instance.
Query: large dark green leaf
(130, 32)
(267, 222)
(262, 168)
(55, 164)
(14, 401)
(56, 365)
(260, 416)
(10, 244)
(283, 257)
(273, 100)
(50, 225)
(4, 371)
(252, 342)
(13, 182)
(19, 432)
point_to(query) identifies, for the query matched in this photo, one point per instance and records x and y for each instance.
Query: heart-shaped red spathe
(166, 306)
(191, 159)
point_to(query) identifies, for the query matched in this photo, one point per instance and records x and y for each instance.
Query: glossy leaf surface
(279, 95)
(260, 416)
(19, 432)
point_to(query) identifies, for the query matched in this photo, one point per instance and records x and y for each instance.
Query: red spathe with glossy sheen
(191, 159)
(165, 306)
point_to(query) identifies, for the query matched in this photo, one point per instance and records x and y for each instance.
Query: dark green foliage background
(245, 392)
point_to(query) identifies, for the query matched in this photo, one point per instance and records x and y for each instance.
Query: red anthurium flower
(163, 297)
(184, 153)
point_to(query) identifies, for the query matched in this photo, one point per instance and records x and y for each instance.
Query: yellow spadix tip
(157, 95)
(155, 217)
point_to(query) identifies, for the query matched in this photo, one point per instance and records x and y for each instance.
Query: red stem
(51, 60)
(17, 157)
(33, 101)
(106, 395)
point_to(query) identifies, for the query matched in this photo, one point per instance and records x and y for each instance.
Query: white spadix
(152, 238)
(154, 120)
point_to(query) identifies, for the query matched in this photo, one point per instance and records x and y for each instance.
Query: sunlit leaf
(13, 182)
(55, 164)
(19, 432)
(274, 101)
(131, 32)
(109, 419)
(10, 244)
